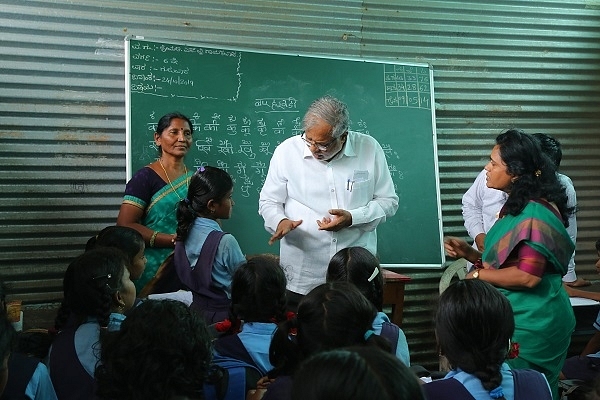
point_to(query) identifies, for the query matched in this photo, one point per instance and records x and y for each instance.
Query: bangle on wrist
(153, 238)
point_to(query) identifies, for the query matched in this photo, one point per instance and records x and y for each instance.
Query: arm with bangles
(130, 216)
(525, 274)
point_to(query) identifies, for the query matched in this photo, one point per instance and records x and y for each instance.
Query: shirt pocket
(361, 194)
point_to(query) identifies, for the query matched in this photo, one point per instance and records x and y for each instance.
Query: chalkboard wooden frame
(253, 100)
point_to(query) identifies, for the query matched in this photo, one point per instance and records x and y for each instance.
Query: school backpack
(230, 379)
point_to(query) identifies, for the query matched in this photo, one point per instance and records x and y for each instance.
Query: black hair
(551, 147)
(124, 238)
(534, 174)
(89, 284)
(162, 350)
(355, 373)
(165, 121)
(258, 291)
(356, 265)
(330, 316)
(207, 183)
(473, 324)
(598, 245)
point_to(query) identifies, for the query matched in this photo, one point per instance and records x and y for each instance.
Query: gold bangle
(153, 238)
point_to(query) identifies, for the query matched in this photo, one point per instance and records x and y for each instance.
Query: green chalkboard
(244, 103)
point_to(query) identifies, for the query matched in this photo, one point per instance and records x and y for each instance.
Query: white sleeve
(472, 206)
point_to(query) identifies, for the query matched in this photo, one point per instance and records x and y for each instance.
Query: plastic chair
(458, 268)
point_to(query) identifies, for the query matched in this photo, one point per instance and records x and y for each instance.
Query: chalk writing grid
(407, 86)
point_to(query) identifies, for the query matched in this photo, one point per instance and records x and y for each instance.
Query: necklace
(169, 179)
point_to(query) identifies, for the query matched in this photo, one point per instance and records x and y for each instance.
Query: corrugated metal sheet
(528, 64)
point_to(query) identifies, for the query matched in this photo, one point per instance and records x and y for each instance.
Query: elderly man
(326, 189)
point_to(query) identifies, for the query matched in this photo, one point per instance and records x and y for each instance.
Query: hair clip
(537, 172)
(201, 169)
(187, 201)
(373, 275)
(107, 276)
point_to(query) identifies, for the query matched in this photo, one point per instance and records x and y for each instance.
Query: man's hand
(339, 219)
(479, 242)
(284, 227)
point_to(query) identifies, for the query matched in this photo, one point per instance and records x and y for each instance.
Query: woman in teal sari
(527, 251)
(151, 196)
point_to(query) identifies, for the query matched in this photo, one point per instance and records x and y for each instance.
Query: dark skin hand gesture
(284, 227)
(340, 219)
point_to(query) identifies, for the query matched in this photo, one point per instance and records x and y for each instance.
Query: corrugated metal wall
(528, 64)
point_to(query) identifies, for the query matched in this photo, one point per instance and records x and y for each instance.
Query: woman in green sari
(527, 251)
(151, 196)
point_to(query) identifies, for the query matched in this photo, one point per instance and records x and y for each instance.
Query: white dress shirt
(300, 187)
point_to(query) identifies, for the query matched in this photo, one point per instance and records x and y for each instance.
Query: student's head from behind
(355, 373)
(473, 324)
(550, 147)
(127, 240)
(162, 351)
(330, 316)
(258, 290)
(361, 268)
(95, 284)
(8, 338)
(209, 196)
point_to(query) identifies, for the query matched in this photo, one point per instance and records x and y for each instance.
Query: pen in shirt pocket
(349, 185)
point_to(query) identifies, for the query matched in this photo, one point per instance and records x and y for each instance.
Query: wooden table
(393, 293)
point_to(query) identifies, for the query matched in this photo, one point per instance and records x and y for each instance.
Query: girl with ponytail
(474, 325)
(331, 316)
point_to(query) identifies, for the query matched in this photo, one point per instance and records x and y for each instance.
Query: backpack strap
(233, 383)
(199, 278)
(232, 346)
(530, 384)
(391, 332)
(447, 389)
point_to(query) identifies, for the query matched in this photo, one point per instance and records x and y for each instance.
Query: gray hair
(330, 110)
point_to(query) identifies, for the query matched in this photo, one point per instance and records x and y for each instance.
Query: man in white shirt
(481, 206)
(325, 190)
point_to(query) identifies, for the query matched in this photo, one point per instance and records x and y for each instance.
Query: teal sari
(160, 216)
(544, 318)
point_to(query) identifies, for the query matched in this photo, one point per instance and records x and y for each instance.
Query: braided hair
(330, 316)
(207, 183)
(474, 323)
(89, 284)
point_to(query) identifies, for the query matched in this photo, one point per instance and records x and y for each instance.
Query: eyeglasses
(319, 146)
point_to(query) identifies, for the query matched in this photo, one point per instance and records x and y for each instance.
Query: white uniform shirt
(300, 187)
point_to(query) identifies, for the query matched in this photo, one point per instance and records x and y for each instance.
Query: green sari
(160, 216)
(544, 318)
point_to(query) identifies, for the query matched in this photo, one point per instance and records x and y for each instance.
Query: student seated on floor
(361, 268)
(474, 324)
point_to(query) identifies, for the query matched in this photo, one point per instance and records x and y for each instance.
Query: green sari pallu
(160, 216)
(544, 319)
